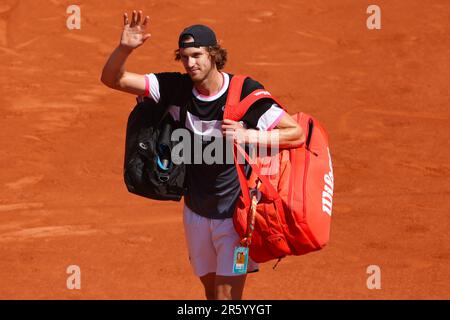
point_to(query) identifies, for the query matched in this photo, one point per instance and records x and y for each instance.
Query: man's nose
(191, 62)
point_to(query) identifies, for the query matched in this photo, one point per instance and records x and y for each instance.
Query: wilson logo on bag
(327, 194)
(286, 211)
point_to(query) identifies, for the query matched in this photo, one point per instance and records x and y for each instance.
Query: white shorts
(211, 244)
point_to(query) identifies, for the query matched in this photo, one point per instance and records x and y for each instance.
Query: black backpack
(148, 169)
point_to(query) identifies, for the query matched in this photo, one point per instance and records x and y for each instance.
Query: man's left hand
(234, 130)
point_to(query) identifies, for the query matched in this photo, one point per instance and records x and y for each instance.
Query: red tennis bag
(285, 205)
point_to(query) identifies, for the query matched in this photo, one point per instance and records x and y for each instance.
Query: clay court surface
(382, 94)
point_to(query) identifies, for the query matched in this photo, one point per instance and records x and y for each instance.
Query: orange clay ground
(382, 94)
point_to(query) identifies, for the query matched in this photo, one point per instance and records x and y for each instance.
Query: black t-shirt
(213, 186)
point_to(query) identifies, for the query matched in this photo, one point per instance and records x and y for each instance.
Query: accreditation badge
(240, 260)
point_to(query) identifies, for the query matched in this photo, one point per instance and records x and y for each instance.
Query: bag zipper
(309, 136)
(293, 155)
(307, 156)
(311, 238)
(305, 178)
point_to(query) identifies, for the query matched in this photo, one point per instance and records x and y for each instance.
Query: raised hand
(134, 31)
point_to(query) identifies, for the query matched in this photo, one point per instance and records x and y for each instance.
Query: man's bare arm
(290, 133)
(114, 74)
(287, 134)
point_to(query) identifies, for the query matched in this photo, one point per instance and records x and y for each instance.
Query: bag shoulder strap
(235, 109)
(235, 89)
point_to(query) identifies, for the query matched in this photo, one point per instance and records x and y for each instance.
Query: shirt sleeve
(164, 87)
(264, 114)
(152, 87)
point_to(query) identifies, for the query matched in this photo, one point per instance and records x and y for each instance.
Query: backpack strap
(251, 203)
(235, 109)
(235, 90)
(233, 99)
(271, 192)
